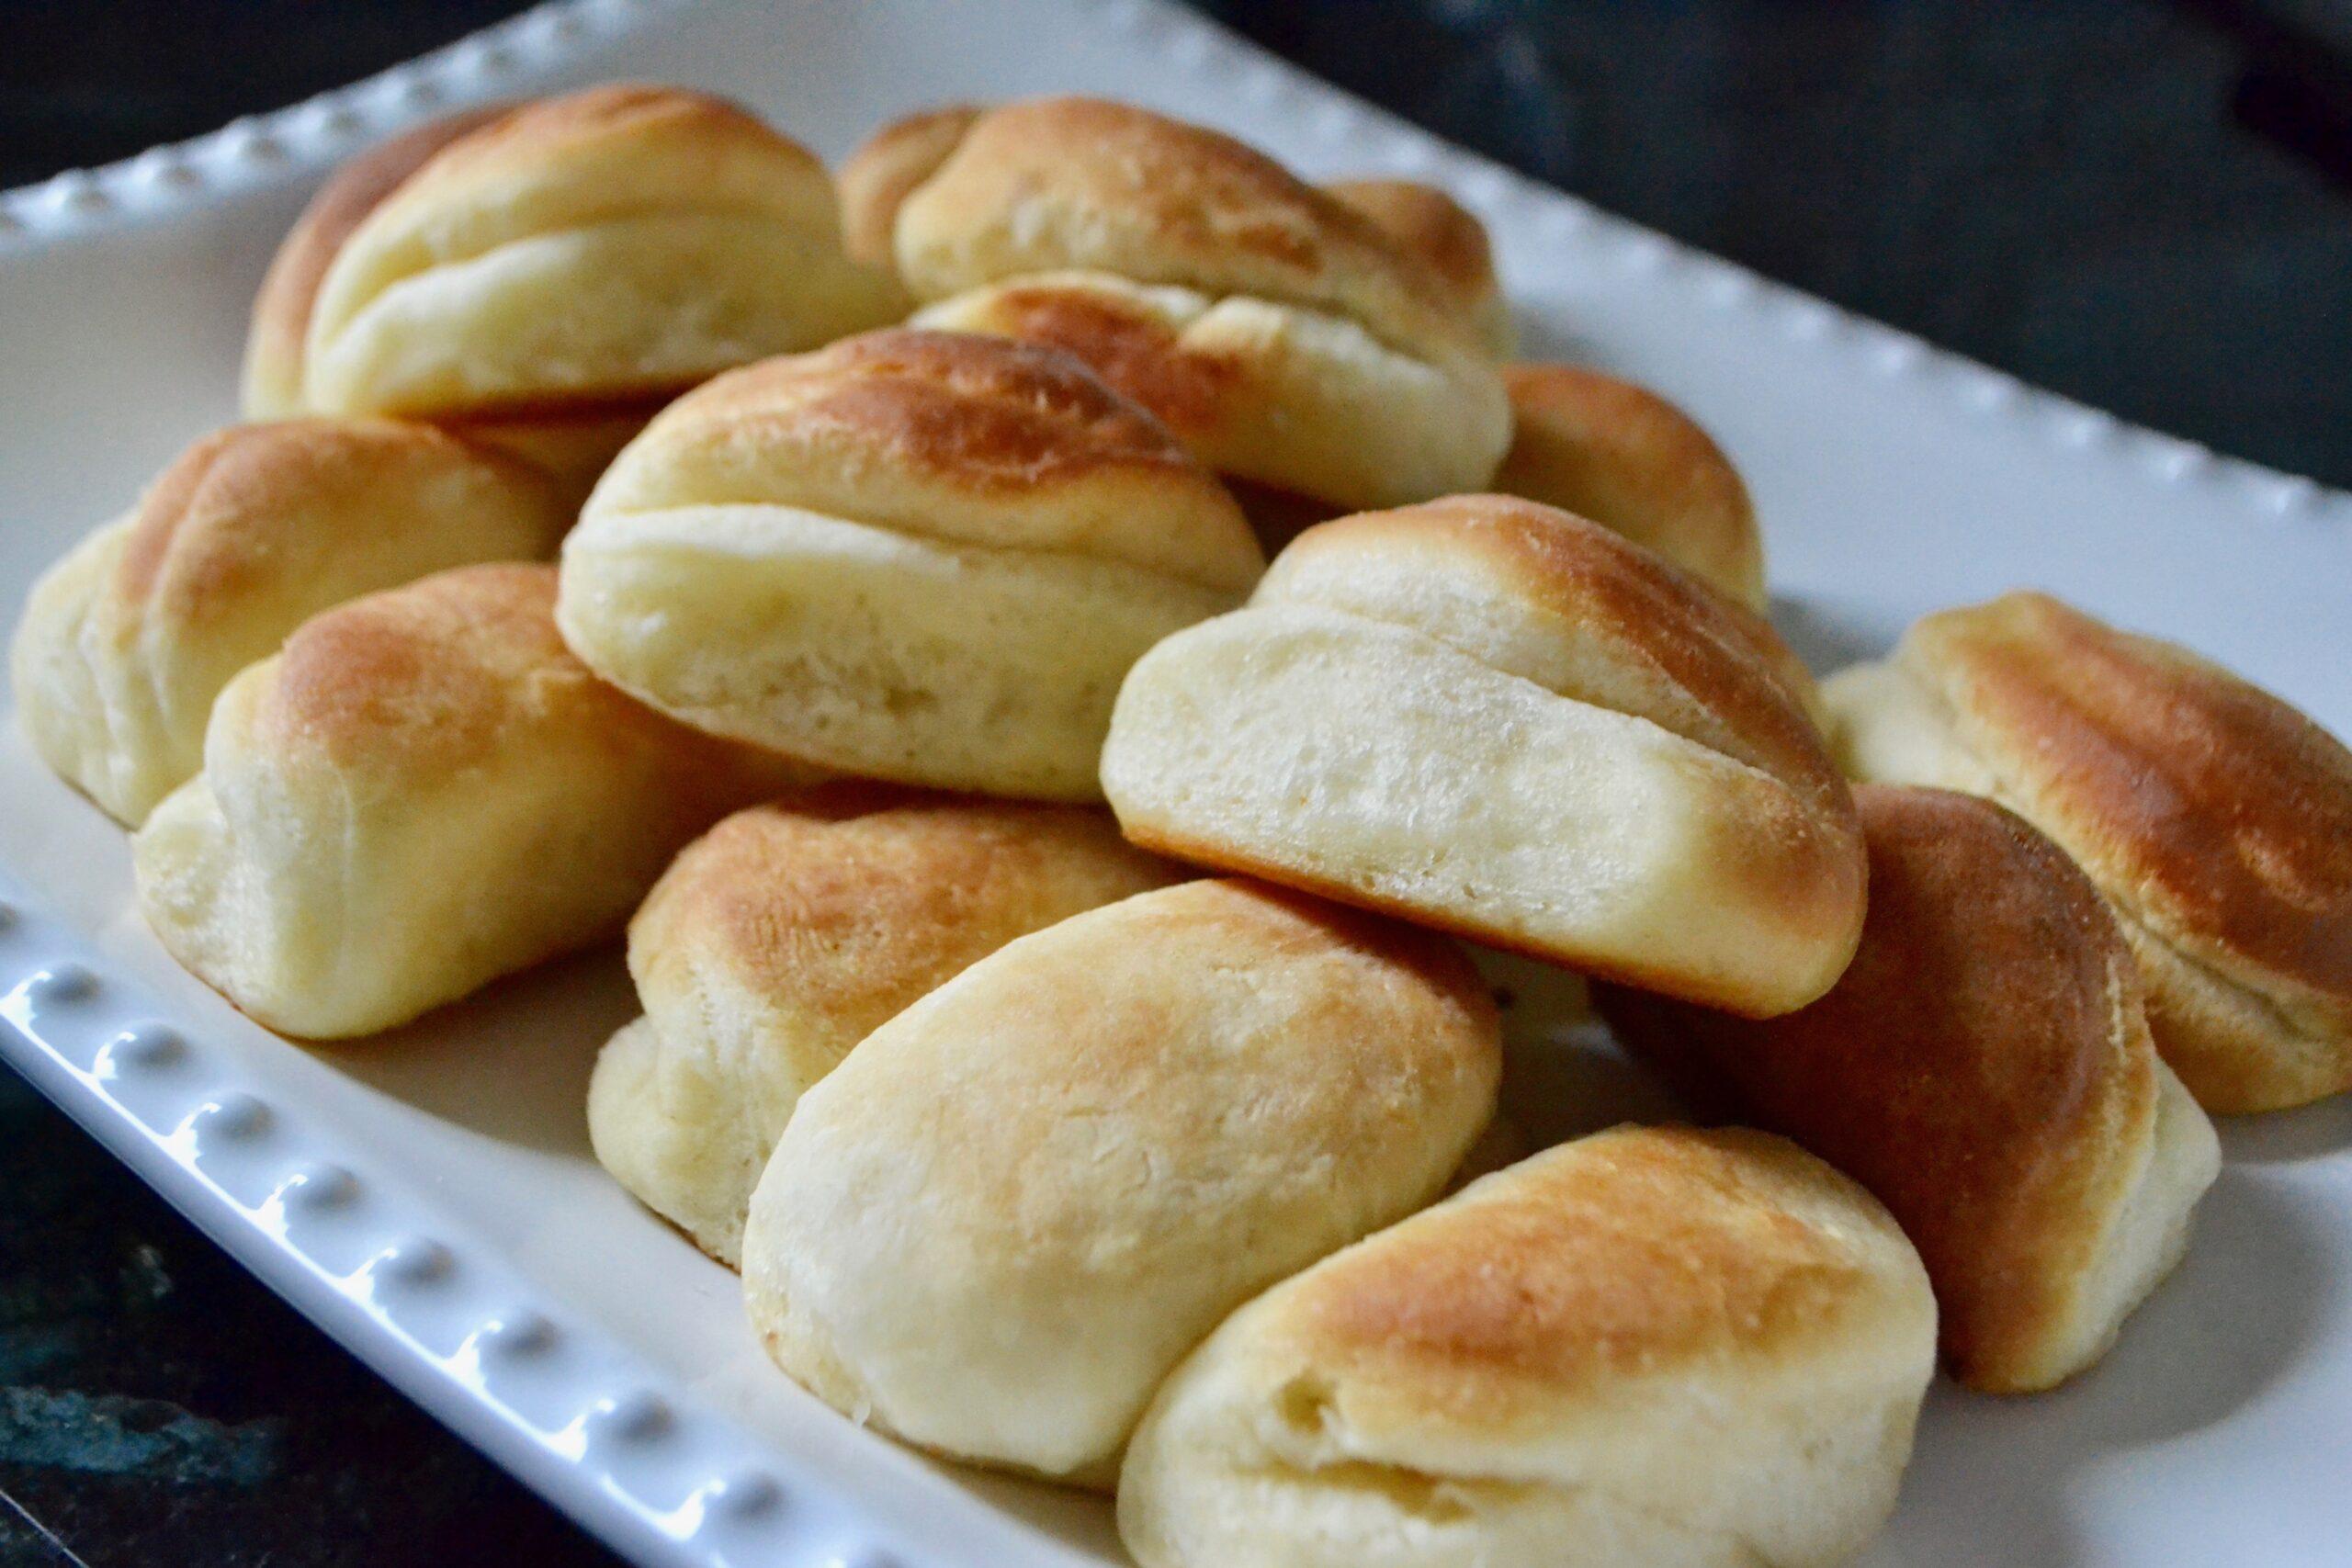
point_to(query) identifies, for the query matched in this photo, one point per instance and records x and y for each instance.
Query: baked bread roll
(1430, 226)
(791, 932)
(126, 642)
(1984, 1067)
(994, 1228)
(885, 168)
(550, 273)
(1282, 334)
(424, 790)
(2216, 818)
(1650, 1346)
(915, 555)
(1510, 723)
(1632, 462)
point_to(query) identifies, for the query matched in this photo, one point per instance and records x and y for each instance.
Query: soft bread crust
(1445, 237)
(788, 933)
(886, 168)
(1652, 1345)
(2216, 818)
(1286, 335)
(424, 790)
(1294, 399)
(614, 243)
(125, 642)
(1630, 461)
(994, 1228)
(1985, 1066)
(1508, 722)
(918, 556)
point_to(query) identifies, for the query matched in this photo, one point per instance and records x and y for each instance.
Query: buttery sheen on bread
(917, 556)
(126, 642)
(789, 933)
(551, 272)
(1652, 1345)
(999, 1223)
(1985, 1066)
(1632, 462)
(2216, 818)
(1430, 226)
(1508, 722)
(424, 790)
(1287, 338)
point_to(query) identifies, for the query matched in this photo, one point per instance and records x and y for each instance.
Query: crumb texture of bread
(423, 791)
(1652, 1344)
(999, 1223)
(1495, 718)
(1985, 1067)
(789, 933)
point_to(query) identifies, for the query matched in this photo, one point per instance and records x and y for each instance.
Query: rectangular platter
(429, 1198)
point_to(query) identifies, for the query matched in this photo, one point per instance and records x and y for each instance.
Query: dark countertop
(2143, 205)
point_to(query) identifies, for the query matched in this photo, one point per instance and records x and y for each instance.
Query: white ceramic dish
(429, 1198)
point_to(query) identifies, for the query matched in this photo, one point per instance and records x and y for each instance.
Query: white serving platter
(429, 1196)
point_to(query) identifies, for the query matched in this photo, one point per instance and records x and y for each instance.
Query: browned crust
(2213, 810)
(1984, 1065)
(1587, 575)
(1432, 226)
(1623, 1256)
(1632, 462)
(281, 322)
(885, 169)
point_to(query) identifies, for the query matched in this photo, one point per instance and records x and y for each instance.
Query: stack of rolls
(1048, 916)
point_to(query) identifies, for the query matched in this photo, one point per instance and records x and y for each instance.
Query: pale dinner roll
(1984, 1067)
(791, 932)
(424, 791)
(1286, 337)
(1632, 462)
(1448, 239)
(126, 642)
(2216, 818)
(1508, 722)
(999, 1223)
(1652, 1347)
(551, 273)
(918, 556)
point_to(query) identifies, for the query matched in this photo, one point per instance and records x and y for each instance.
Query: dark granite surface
(2143, 205)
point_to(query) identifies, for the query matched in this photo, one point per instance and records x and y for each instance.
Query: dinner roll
(1508, 722)
(885, 167)
(423, 791)
(788, 934)
(917, 556)
(1632, 462)
(1445, 237)
(999, 1223)
(1984, 1067)
(553, 272)
(1284, 337)
(1652, 1345)
(126, 642)
(2216, 818)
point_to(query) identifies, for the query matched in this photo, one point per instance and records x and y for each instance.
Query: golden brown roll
(1630, 461)
(423, 791)
(1508, 722)
(1649, 1346)
(1445, 237)
(2216, 818)
(551, 273)
(126, 642)
(791, 932)
(1984, 1067)
(1284, 337)
(885, 168)
(917, 556)
(999, 1223)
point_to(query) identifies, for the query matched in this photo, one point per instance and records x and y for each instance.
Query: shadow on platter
(510, 1062)
(2289, 1137)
